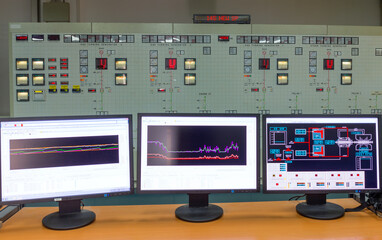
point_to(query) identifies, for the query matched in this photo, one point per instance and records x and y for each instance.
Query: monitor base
(67, 221)
(316, 207)
(69, 216)
(198, 209)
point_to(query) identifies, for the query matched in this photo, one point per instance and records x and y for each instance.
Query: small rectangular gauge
(22, 64)
(38, 79)
(346, 64)
(22, 79)
(22, 37)
(282, 64)
(64, 75)
(37, 37)
(120, 79)
(22, 95)
(153, 38)
(52, 89)
(264, 63)
(282, 79)
(170, 63)
(37, 64)
(190, 64)
(52, 75)
(223, 38)
(190, 79)
(328, 64)
(176, 39)
(106, 38)
(120, 64)
(122, 38)
(91, 38)
(75, 38)
(38, 95)
(168, 39)
(92, 90)
(346, 79)
(184, 39)
(53, 37)
(83, 38)
(99, 38)
(114, 38)
(101, 63)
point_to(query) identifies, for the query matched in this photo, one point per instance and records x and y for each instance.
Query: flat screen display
(65, 158)
(187, 153)
(321, 153)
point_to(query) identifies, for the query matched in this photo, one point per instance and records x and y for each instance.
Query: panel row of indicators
(119, 38)
(39, 64)
(39, 79)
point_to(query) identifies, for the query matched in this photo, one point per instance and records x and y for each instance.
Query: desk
(241, 221)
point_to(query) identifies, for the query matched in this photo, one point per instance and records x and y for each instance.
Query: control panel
(100, 69)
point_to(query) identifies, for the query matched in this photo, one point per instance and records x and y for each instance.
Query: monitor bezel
(257, 138)
(264, 160)
(74, 196)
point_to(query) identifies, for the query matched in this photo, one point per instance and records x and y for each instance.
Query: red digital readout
(223, 38)
(218, 18)
(52, 75)
(328, 64)
(101, 63)
(21, 37)
(51, 59)
(264, 63)
(170, 64)
(64, 75)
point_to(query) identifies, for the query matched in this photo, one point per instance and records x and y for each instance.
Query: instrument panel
(111, 68)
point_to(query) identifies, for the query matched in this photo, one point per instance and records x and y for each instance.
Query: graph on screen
(63, 152)
(196, 145)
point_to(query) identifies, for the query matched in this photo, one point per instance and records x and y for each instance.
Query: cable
(295, 198)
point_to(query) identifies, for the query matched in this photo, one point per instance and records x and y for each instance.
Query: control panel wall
(193, 68)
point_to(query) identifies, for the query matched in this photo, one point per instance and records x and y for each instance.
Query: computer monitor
(198, 154)
(65, 159)
(321, 154)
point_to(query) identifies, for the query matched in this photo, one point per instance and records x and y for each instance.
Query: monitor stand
(69, 216)
(316, 207)
(198, 209)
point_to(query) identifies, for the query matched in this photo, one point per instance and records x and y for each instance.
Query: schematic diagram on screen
(322, 142)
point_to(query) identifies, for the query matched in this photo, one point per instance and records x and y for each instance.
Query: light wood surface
(241, 221)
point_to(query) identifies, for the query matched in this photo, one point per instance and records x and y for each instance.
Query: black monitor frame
(317, 198)
(68, 204)
(198, 206)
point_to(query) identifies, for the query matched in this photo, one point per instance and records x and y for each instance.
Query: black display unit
(65, 159)
(321, 154)
(198, 154)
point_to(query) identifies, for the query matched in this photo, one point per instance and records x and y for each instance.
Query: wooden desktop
(245, 220)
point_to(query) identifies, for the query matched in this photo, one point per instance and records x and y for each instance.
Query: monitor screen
(321, 153)
(196, 153)
(44, 159)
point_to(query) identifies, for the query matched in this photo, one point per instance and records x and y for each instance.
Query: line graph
(63, 152)
(65, 149)
(196, 145)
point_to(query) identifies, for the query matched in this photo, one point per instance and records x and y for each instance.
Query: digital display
(321, 153)
(170, 64)
(264, 63)
(23, 37)
(91, 156)
(101, 63)
(183, 153)
(328, 64)
(223, 38)
(225, 18)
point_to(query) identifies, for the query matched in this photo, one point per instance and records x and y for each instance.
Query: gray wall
(324, 12)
